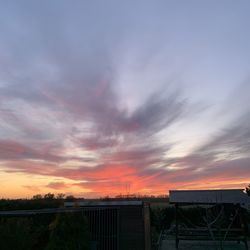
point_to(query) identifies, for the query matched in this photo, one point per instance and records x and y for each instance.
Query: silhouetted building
(117, 225)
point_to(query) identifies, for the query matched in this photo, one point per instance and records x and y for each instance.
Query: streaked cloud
(123, 104)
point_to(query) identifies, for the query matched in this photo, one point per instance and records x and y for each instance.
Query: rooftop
(102, 203)
(229, 196)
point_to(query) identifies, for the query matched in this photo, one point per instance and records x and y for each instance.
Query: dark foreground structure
(117, 225)
(223, 215)
(113, 225)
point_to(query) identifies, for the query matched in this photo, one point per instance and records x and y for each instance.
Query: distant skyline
(109, 97)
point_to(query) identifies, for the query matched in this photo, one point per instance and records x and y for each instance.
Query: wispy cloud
(99, 102)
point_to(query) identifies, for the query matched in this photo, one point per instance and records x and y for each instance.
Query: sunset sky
(115, 97)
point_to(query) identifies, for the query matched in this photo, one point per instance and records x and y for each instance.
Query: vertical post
(176, 227)
(118, 228)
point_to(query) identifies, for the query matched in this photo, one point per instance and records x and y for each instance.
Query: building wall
(103, 226)
(125, 227)
(131, 228)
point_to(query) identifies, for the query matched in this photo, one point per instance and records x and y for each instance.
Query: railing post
(176, 227)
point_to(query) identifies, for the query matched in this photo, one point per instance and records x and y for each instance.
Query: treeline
(51, 200)
(146, 198)
(38, 201)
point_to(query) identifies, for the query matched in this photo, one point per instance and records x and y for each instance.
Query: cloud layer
(87, 104)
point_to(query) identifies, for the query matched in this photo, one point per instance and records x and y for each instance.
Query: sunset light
(123, 97)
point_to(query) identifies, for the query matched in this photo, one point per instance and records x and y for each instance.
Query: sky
(123, 97)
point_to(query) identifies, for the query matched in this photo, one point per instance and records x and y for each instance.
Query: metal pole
(176, 227)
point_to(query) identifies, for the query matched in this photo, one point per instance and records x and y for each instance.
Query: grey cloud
(67, 70)
(65, 64)
(233, 141)
(223, 157)
(13, 150)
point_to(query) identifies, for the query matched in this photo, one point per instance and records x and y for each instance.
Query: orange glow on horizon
(108, 181)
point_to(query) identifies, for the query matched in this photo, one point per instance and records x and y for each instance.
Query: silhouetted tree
(248, 189)
(37, 197)
(70, 198)
(60, 196)
(49, 196)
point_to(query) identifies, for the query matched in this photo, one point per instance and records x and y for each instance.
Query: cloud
(127, 149)
(224, 157)
(234, 140)
(63, 111)
(34, 189)
(12, 150)
(57, 185)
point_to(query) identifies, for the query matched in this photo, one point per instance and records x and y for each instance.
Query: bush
(45, 232)
(16, 234)
(69, 231)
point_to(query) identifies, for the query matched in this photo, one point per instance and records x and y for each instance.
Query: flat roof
(38, 211)
(229, 196)
(75, 206)
(101, 203)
